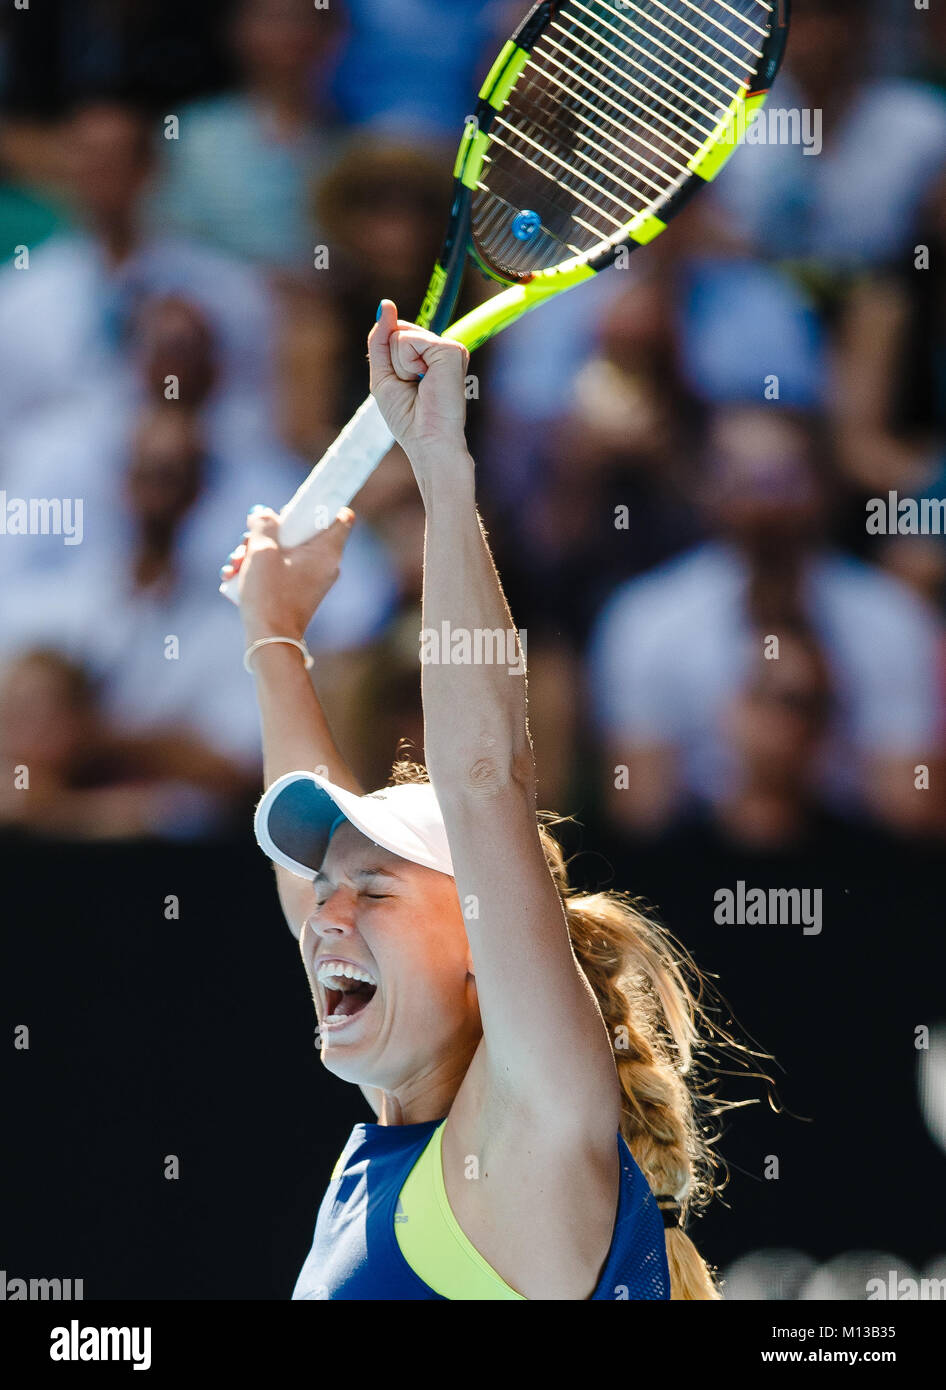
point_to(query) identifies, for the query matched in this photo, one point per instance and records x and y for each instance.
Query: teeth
(336, 970)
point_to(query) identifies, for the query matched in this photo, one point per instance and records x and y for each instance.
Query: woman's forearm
(476, 739)
(296, 734)
(279, 592)
(473, 673)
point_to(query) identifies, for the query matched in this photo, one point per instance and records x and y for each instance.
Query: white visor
(298, 814)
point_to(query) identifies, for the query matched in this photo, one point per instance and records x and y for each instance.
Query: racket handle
(337, 477)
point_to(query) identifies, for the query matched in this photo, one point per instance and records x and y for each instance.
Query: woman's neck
(428, 1097)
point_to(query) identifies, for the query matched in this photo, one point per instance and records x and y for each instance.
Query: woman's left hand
(419, 383)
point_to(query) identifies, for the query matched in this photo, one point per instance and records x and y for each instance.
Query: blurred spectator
(412, 67)
(883, 142)
(672, 649)
(745, 328)
(79, 446)
(920, 563)
(530, 374)
(612, 496)
(528, 377)
(892, 365)
(82, 450)
(591, 409)
(383, 208)
(115, 606)
(27, 217)
(774, 727)
(73, 776)
(239, 174)
(144, 615)
(60, 778)
(163, 52)
(177, 353)
(609, 496)
(528, 381)
(241, 470)
(65, 321)
(166, 655)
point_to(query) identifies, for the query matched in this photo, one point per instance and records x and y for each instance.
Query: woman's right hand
(281, 589)
(418, 380)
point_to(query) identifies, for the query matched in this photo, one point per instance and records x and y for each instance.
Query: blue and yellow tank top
(385, 1230)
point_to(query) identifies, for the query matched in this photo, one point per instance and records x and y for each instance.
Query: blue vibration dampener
(526, 225)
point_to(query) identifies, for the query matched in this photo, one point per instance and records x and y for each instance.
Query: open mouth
(347, 990)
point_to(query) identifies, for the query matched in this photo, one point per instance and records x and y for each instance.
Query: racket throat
(436, 312)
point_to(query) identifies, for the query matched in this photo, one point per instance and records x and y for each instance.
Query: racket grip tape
(334, 481)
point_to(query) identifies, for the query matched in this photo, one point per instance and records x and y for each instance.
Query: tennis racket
(597, 123)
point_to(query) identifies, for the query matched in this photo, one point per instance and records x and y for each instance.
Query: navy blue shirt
(355, 1253)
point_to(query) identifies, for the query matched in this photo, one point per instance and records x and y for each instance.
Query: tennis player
(524, 1046)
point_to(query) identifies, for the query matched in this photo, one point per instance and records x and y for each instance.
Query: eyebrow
(360, 875)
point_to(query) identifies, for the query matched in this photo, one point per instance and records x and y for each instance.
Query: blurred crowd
(199, 211)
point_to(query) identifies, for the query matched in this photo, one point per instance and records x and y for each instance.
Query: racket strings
(617, 158)
(603, 193)
(704, 34)
(614, 102)
(743, 43)
(616, 134)
(501, 212)
(567, 180)
(601, 189)
(749, 23)
(620, 136)
(656, 67)
(657, 85)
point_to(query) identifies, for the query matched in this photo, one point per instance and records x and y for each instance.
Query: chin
(345, 1068)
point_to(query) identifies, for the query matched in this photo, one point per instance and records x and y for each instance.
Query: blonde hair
(656, 1005)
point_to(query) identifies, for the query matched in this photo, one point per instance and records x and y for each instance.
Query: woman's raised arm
(279, 591)
(546, 1044)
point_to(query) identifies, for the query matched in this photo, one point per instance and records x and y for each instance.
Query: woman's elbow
(487, 773)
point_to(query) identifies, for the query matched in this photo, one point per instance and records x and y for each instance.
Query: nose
(335, 917)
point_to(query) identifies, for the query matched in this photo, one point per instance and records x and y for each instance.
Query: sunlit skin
(402, 923)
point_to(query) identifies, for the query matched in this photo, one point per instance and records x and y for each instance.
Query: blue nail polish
(380, 312)
(223, 571)
(257, 508)
(421, 375)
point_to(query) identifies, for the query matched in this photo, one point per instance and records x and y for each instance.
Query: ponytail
(659, 1030)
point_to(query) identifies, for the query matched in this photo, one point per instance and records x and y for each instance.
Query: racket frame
(366, 439)
(530, 290)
